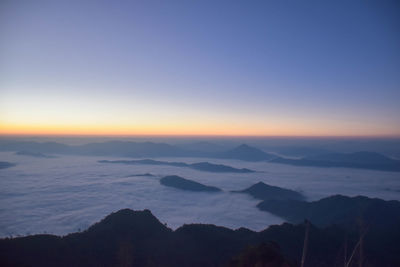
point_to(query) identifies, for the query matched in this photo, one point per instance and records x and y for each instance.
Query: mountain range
(201, 166)
(362, 160)
(359, 160)
(137, 238)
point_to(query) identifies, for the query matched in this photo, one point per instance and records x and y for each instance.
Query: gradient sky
(200, 67)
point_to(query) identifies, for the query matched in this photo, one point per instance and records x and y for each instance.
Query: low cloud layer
(69, 193)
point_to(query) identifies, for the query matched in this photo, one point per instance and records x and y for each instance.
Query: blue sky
(200, 67)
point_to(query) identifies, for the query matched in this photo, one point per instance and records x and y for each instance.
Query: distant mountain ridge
(361, 160)
(135, 149)
(247, 153)
(37, 147)
(201, 166)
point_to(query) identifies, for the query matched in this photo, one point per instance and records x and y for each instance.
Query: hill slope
(137, 238)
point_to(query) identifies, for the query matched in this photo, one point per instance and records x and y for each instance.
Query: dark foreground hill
(338, 209)
(377, 218)
(137, 238)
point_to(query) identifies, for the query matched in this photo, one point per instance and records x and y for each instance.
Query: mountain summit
(248, 153)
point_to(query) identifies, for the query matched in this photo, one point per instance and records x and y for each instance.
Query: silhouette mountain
(362, 160)
(201, 166)
(268, 192)
(185, 184)
(247, 153)
(137, 238)
(139, 224)
(379, 219)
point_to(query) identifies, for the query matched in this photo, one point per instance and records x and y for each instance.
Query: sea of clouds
(69, 193)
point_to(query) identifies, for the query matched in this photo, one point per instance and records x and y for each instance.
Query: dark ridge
(185, 184)
(200, 166)
(338, 209)
(137, 238)
(263, 191)
(126, 221)
(379, 219)
(360, 160)
(5, 164)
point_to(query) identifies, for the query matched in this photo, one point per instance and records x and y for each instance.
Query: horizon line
(199, 136)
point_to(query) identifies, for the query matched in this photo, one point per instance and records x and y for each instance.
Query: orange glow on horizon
(176, 130)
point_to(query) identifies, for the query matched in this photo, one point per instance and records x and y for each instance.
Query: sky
(263, 68)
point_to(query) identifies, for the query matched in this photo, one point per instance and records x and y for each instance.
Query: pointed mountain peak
(248, 153)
